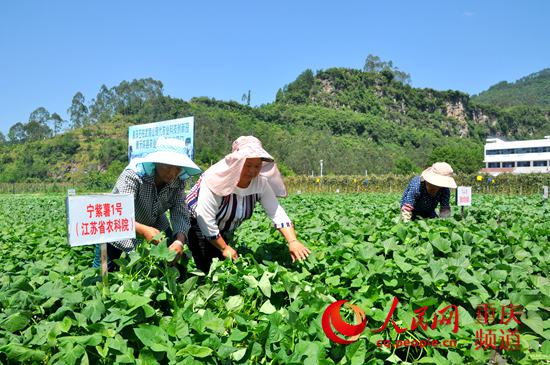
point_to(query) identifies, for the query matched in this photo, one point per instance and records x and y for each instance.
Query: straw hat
(169, 151)
(440, 174)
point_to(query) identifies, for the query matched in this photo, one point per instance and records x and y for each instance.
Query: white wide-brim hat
(170, 151)
(440, 174)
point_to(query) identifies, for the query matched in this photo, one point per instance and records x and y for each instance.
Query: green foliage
(111, 150)
(533, 90)
(246, 98)
(16, 133)
(285, 170)
(78, 111)
(35, 131)
(463, 158)
(102, 180)
(403, 166)
(264, 309)
(298, 91)
(129, 97)
(520, 184)
(36, 128)
(40, 115)
(351, 119)
(375, 64)
(57, 123)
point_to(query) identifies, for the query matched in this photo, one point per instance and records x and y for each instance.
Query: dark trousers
(203, 251)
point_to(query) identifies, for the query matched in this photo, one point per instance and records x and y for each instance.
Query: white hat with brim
(169, 151)
(440, 174)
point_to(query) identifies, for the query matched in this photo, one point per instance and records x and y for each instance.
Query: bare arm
(297, 250)
(226, 250)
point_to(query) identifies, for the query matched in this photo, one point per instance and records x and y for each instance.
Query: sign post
(98, 219)
(545, 192)
(463, 197)
(104, 268)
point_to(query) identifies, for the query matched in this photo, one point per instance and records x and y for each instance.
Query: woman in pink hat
(427, 191)
(225, 196)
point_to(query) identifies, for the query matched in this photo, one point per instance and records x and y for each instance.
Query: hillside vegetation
(351, 119)
(529, 90)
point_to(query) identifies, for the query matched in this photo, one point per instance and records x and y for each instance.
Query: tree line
(127, 98)
(533, 89)
(354, 120)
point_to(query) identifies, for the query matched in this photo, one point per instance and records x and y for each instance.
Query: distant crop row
(523, 184)
(526, 184)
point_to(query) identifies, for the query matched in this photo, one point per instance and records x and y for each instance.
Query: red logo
(332, 316)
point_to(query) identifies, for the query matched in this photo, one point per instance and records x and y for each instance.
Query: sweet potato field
(56, 309)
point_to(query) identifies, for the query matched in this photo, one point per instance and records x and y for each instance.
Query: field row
(263, 309)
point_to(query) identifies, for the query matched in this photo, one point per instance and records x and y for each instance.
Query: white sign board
(464, 196)
(100, 218)
(142, 138)
(545, 192)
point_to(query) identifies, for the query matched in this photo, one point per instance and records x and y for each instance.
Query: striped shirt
(150, 205)
(220, 214)
(417, 200)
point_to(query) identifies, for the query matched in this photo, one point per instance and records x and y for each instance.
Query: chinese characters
(506, 340)
(106, 219)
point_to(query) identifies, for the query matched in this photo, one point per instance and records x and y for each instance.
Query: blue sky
(49, 50)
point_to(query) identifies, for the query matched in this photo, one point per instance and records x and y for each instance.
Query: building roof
(497, 143)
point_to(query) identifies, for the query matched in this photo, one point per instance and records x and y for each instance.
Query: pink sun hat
(222, 177)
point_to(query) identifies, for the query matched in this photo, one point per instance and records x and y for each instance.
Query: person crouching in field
(225, 196)
(157, 182)
(426, 191)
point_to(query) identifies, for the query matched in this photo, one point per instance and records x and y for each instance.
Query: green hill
(353, 120)
(529, 90)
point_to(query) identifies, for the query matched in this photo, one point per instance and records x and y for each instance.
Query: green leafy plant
(265, 309)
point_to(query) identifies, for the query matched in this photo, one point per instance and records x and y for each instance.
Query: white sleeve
(206, 210)
(273, 209)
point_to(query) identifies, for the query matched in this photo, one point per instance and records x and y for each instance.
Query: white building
(517, 157)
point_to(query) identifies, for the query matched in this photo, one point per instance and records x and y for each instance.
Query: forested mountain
(351, 119)
(529, 90)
